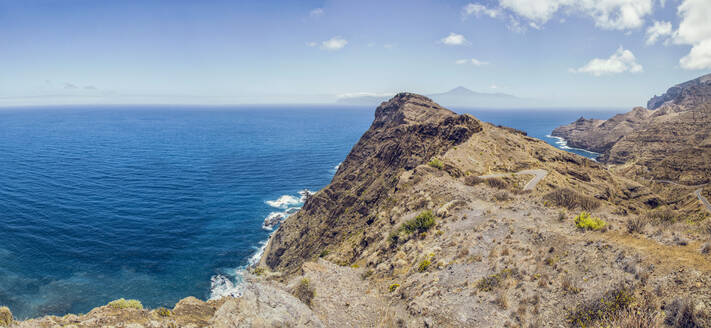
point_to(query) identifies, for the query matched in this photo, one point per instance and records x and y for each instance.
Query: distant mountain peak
(461, 89)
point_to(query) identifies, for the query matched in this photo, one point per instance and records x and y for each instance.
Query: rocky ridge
(669, 141)
(408, 234)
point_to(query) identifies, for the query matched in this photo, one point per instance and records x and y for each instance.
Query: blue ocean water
(154, 202)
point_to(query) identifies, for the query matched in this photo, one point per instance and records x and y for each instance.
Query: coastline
(563, 145)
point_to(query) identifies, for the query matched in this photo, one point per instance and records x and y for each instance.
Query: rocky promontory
(436, 219)
(669, 141)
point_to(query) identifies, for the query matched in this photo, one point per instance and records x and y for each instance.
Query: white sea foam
(221, 286)
(284, 201)
(563, 144)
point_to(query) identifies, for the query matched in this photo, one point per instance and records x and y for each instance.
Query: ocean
(158, 203)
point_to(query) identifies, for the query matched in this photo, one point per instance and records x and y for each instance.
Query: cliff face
(484, 235)
(407, 131)
(670, 141)
(600, 135)
(688, 94)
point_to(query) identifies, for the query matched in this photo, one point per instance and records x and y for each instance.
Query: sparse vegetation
(497, 183)
(472, 180)
(569, 286)
(421, 223)
(609, 306)
(126, 304)
(424, 265)
(586, 222)
(681, 314)
(663, 216)
(636, 225)
(436, 163)
(393, 287)
(502, 196)
(493, 281)
(5, 316)
(304, 291)
(163, 312)
(324, 253)
(571, 200)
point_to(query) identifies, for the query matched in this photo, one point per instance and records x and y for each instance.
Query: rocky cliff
(436, 219)
(668, 141)
(407, 131)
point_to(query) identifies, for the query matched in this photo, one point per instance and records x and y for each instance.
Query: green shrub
(436, 163)
(163, 312)
(393, 287)
(422, 267)
(586, 222)
(304, 291)
(126, 304)
(421, 223)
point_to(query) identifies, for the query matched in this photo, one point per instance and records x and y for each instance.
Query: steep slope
(407, 131)
(688, 94)
(670, 141)
(412, 233)
(599, 135)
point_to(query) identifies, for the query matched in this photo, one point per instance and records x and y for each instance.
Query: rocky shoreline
(431, 221)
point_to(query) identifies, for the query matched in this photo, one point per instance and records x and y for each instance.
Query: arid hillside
(436, 219)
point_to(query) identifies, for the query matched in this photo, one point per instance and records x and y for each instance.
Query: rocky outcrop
(600, 135)
(688, 94)
(668, 141)
(407, 131)
(400, 240)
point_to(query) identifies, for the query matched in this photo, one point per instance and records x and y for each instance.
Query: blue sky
(582, 53)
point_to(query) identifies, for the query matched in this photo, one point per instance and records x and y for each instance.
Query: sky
(567, 53)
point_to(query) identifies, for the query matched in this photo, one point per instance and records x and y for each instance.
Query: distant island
(457, 97)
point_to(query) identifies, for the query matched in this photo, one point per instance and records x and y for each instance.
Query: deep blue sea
(156, 202)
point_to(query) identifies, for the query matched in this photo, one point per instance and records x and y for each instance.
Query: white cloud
(472, 61)
(699, 57)
(657, 31)
(536, 10)
(316, 12)
(334, 43)
(621, 61)
(478, 10)
(695, 30)
(607, 14)
(311, 44)
(618, 14)
(454, 39)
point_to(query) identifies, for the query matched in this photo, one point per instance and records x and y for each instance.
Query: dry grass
(472, 180)
(636, 225)
(681, 314)
(571, 199)
(502, 196)
(497, 183)
(304, 291)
